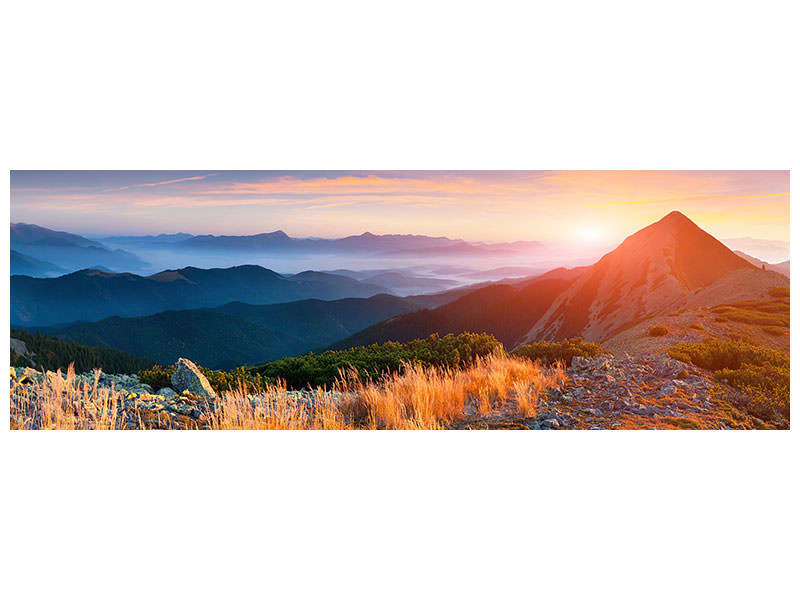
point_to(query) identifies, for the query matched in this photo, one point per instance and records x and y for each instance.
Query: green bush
(658, 331)
(565, 350)
(762, 373)
(371, 362)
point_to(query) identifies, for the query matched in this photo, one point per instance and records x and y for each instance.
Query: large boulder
(187, 377)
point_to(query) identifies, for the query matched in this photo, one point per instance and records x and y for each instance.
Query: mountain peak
(676, 215)
(653, 268)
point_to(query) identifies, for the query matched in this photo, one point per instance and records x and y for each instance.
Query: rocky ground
(648, 391)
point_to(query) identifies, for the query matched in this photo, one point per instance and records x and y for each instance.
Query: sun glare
(589, 234)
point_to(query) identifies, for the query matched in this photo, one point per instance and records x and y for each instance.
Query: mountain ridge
(91, 295)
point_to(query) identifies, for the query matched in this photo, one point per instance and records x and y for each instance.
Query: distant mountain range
(67, 251)
(782, 267)
(91, 295)
(278, 241)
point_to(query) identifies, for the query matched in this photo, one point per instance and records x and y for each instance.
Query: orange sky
(590, 206)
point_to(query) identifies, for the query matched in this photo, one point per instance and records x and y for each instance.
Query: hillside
(91, 295)
(501, 310)
(214, 340)
(237, 333)
(41, 351)
(662, 265)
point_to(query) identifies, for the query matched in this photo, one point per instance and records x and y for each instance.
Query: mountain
(33, 235)
(22, 264)
(237, 333)
(278, 241)
(782, 267)
(318, 323)
(774, 251)
(505, 311)
(91, 295)
(660, 266)
(69, 250)
(145, 240)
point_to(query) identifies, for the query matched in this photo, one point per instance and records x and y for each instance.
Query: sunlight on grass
(417, 398)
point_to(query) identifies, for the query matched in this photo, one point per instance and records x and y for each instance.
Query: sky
(596, 207)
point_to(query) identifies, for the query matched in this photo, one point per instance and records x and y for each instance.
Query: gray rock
(18, 347)
(166, 392)
(666, 390)
(188, 378)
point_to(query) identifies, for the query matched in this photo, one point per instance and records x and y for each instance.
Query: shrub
(658, 331)
(372, 362)
(696, 326)
(755, 312)
(762, 373)
(551, 352)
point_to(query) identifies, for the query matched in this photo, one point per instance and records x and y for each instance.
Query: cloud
(155, 183)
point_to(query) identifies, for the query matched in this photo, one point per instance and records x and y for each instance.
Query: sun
(589, 234)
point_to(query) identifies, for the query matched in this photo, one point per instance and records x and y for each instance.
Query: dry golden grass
(58, 403)
(418, 398)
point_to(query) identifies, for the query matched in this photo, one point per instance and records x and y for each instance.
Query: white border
(415, 85)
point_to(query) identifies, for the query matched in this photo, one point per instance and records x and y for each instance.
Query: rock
(188, 378)
(666, 390)
(18, 347)
(551, 423)
(166, 392)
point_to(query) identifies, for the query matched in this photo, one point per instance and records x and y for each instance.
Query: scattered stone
(188, 378)
(166, 392)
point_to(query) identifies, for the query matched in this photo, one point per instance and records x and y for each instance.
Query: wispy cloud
(156, 183)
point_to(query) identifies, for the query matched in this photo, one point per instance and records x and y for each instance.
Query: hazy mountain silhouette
(781, 267)
(22, 264)
(90, 295)
(68, 250)
(278, 241)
